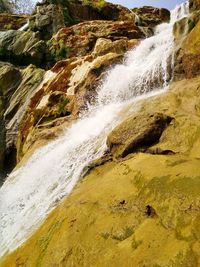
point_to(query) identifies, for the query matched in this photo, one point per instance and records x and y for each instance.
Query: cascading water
(33, 190)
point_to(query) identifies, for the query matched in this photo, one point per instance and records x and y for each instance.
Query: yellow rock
(142, 211)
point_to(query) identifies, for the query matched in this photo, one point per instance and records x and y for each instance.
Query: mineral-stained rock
(12, 21)
(187, 60)
(104, 46)
(73, 85)
(137, 133)
(151, 16)
(50, 16)
(142, 211)
(194, 4)
(80, 39)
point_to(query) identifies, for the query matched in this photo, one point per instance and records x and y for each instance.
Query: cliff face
(139, 205)
(86, 49)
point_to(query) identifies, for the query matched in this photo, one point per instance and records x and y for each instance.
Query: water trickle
(33, 190)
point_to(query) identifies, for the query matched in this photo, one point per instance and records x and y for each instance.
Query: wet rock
(151, 16)
(62, 98)
(136, 133)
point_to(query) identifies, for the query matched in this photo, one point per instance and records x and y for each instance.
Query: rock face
(12, 21)
(137, 134)
(150, 16)
(4, 6)
(141, 206)
(80, 39)
(186, 33)
(194, 5)
(16, 87)
(21, 47)
(188, 55)
(50, 16)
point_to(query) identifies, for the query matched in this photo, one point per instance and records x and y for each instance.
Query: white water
(32, 191)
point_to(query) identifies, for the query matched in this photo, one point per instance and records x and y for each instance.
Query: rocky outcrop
(50, 16)
(59, 101)
(137, 133)
(16, 87)
(5, 6)
(152, 208)
(188, 55)
(194, 5)
(79, 40)
(10, 78)
(12, 21)
(140, 206)
(31, 77)
(22, 48)
(186, 32)
(149, 16)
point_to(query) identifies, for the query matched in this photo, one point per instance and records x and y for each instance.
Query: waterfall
(50, 174)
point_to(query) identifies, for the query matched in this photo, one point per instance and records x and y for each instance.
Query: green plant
(191, 24)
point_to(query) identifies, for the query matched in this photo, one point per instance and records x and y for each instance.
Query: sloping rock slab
(136, 133)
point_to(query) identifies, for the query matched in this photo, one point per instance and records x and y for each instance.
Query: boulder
(151, 16)
(137, 133)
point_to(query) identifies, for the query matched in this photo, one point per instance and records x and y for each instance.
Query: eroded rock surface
(132, 211)
(137, 133)
(12, 21)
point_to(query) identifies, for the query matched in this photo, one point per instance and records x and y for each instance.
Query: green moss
(191, 24)
(126, 233)
(57, 50)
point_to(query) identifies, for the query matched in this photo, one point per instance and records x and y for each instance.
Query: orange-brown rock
(49, 16)
(12, 21)
(194, 4)
(80, 39)
(59, 100)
